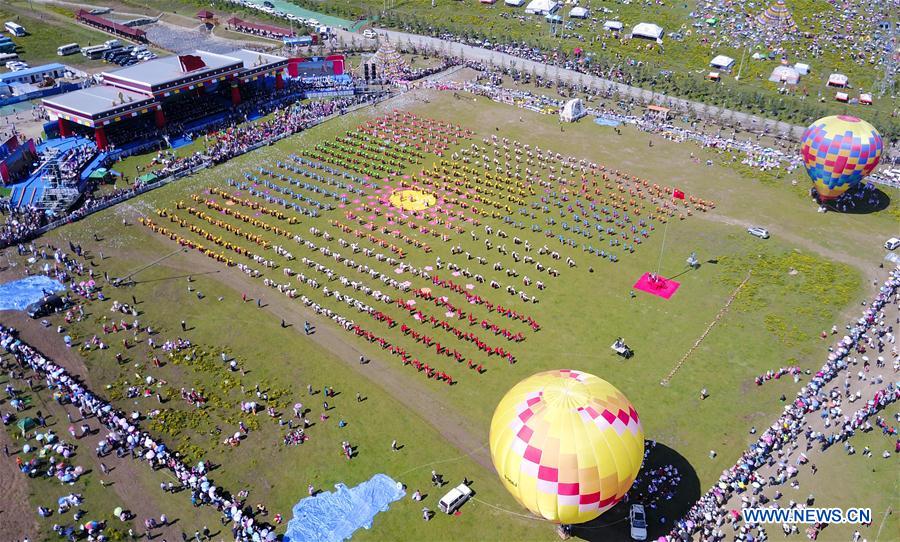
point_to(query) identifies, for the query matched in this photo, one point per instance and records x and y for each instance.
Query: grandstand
(179, 89)
(112, 27)
(58, 177)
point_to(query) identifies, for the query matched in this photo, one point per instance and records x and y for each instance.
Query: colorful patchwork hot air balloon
(566, 444)
(839, 152)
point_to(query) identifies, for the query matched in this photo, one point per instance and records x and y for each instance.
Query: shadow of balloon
(614, 526)
(870, 203)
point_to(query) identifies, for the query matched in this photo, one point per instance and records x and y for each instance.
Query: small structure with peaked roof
(647, 31)
(784, 74)
(838, 80)
(722, 62)
(572, 110)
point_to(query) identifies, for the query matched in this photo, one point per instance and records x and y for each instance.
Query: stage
(657, 285)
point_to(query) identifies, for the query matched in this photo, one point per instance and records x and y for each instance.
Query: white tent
(722, 62)
(579, 12)
(647, 30)
(613, 25)
(802, 69)
(541, 7)
(515, 3)
(785, 74)
(865, 99)
(842, 97)
(838, 80)
(572, 111)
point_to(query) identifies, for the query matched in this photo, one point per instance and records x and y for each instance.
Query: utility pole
(741, 67)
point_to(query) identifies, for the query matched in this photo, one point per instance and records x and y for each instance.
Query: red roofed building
(265, 30)
(133, 34)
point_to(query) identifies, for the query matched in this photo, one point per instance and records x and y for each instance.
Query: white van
(369, 34)
(455, 498)
(892, 244)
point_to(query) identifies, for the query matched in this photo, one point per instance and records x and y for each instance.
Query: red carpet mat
(662, 287)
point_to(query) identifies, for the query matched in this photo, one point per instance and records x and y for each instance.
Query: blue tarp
(602, 121)
(18, 294)
(335, 516)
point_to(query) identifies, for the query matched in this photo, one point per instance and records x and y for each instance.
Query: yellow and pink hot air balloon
(839, 152)
(566, 444)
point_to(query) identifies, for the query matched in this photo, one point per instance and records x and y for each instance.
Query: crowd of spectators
(125, 437)
(821, 397)
(234, 139)
(19, 223)
(72, 162)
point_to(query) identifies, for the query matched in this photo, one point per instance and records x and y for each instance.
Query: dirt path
(869, 271)
(16, 516)
(123, 472)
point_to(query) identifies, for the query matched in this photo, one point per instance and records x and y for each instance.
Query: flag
(677, 194)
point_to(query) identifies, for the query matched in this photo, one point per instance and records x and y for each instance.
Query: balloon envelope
(838, 152)
(566, 444)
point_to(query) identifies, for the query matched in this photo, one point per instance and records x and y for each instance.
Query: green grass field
(49, 27)
(814, 270)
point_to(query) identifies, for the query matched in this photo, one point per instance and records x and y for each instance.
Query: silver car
(757, 231)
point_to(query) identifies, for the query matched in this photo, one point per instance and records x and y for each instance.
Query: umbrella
(25, 424)
(117, 511)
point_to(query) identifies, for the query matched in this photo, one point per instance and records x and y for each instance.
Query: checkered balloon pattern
(566, 444)
(839, 152)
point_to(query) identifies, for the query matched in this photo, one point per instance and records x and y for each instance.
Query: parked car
(757, 231)
(455, 498)
(46, 306)
(638, 522)
(892, 244)
(368, 33)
